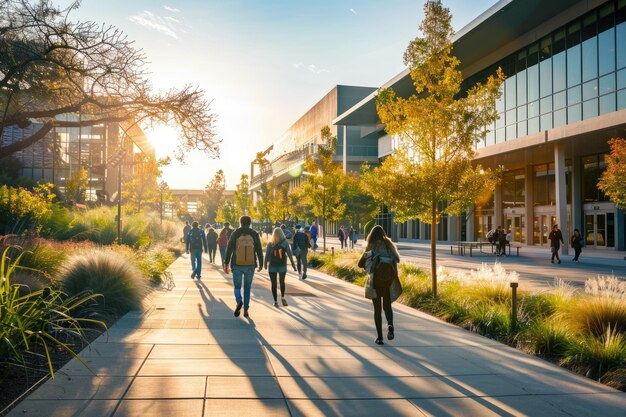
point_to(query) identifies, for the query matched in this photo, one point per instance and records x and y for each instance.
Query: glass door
(596, 230)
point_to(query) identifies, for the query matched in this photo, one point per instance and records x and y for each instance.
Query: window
(546, 121)
(607, 103)
(590, 108)
(620, 35)
(590, 48)
(532, 73)
(533, 109)
(545, 105)
(573, 55)
(573, 95)
(533, 125)
(574, 113)
(545, 67)
(560, 118)
(607, 84)
(590, 89)
(510, 91)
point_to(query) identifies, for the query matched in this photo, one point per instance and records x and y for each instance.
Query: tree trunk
(433, 248)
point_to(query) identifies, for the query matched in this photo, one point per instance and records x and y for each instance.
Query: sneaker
(559, 261)
(193, 275)
(284, 302)
(199, 277)
(390, 334)
(245, 313)
(275, 304)
(304, 276)
(552, 261)
(379, 341)
(238, 309)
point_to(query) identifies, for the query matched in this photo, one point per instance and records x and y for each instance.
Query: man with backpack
(243, 245)
(300, 249)
(194, 243)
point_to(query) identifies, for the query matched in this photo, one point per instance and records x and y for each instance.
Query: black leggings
(212, 251)
(385, 297)
(273, 276)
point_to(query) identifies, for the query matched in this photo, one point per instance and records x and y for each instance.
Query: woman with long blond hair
(278, 250)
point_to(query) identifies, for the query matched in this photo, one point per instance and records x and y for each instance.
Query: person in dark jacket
(194, 243)
(243, 269)
(222, 241)
(278, 250)
(577, 244)
(379, 244)
(342, 234)
(300, 249)
(211, 241)
(556, 238)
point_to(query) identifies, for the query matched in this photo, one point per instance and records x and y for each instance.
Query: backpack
(278, 256)
(244, 250)
(288, 234)
(195, 239)
(385, 270)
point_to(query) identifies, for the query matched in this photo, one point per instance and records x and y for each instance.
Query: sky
(262, 63)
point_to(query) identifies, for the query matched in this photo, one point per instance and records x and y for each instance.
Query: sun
(164, 138)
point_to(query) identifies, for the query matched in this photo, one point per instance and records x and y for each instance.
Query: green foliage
(141, 192)
(120, 283)
(547, 337)
(154, 261)
(596, 315)
(213, 197)
(242, 200)
(228, 213)
(594, 355)
(36, 321)
(76, 187)
(612, 181)
(22, 210)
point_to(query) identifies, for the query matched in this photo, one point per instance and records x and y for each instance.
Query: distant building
(564, 97)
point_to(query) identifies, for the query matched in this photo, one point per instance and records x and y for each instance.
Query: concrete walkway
(187, 356)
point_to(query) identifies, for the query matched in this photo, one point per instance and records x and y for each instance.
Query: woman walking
(577, 244)
(278, 249)
(211, 241)
(556, 238)
(380, 259)
(222, 240)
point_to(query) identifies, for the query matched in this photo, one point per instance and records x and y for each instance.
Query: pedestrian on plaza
(276, 254)
(351, 237)
(194, 243)
(211, 241)
(314, 233)
(577, 244)
(286, 232)
(300, 250)
(222, 241)
(496, 239)
(186, 231)
(343, 236)
(504, 240)
(556, 238)
(380, 260)
(243, 245)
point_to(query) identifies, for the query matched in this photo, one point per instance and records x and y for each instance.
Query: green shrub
(22, 210)
(594, 356)
(36, 321)
(154, 261)
(596, 314)
(548, 303)
(104, 272)
(546, 337)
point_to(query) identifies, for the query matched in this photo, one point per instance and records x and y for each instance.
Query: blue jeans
(247, 273)
(196, 261)
(223, 254)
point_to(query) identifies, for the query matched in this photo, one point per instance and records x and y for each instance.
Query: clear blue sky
(265, 62)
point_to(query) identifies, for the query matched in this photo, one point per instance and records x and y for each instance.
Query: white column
(561, 194)
(345, 149)
(577, 198)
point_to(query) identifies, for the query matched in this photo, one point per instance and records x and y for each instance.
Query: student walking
(186, 231)
(211, 241)
(194, 243)
(314, 233)
(343, 236)
(556, 238)
(243, 245)
(577, 244)
(222, 241)
(351, 237)
(380, 260)
(300, 249)
(276, 254)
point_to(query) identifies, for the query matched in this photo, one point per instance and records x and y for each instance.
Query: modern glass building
(563, 99)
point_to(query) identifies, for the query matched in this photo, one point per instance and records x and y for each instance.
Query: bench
(510, 246)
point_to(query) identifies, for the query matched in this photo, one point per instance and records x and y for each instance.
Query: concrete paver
(186, 355)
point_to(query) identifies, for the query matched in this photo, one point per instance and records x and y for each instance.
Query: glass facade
(575, 73)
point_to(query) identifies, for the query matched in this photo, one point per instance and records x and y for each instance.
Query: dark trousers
(302, 261)
(343, 243)
(383, 298)
(212, 251)
(555, 253)
(577, 252)
(281, 277)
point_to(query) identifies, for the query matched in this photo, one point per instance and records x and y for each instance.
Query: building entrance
(516, 223)
(599, 230)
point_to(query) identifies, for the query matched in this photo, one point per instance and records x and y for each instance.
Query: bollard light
(514, 285)
(332, 252)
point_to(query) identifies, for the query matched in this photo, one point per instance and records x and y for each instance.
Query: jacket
(268, 252)
(369, 261)
(301, 240)
(188, 239)
(230, 250)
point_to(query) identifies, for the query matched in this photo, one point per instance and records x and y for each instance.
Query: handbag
(297, 251)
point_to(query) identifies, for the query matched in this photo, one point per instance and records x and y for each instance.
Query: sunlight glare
(164, 138)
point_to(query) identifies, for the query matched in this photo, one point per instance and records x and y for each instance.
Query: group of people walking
(243, 254)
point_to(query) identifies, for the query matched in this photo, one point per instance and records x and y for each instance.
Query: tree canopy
(430, 172)
(613, 179)
(213, 196)
(51, 65)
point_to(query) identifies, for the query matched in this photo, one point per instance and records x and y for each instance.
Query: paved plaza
(186, 355)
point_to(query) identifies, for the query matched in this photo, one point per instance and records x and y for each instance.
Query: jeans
(212, 250)
(196, 261)
(302, 261)
(247, 273)
(273, 278)
(223, 254)
(577, 251)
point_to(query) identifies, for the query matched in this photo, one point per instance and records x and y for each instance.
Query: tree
(142, 189)
(430, 173)
(242, 200)
(51, 65)
(325, 183)
(299, 204)
(360, 206)
(262, 206)
(612, 182)
(76, 187)
(213, 196)
(228, 213)
(279, 207)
